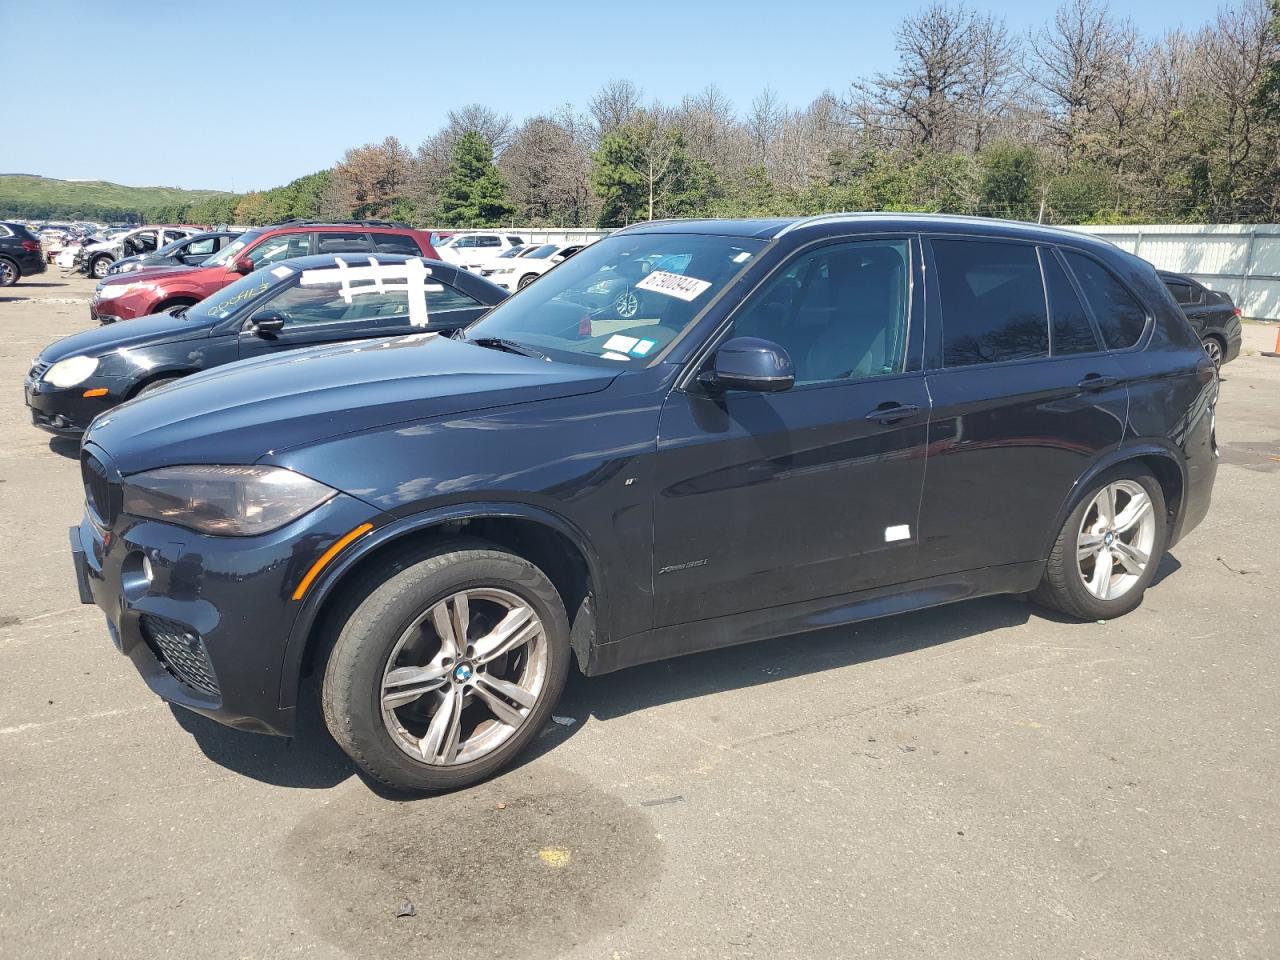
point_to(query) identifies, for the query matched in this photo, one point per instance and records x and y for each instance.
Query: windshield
(232, 297)
(232, 249)
(513, 252)
(169, 248)
(542, 252)
(621, 301)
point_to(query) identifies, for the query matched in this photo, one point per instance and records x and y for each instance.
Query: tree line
(1081, 120)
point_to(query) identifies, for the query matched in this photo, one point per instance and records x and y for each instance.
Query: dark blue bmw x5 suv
(692, 434)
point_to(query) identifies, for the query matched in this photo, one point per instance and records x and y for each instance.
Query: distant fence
(1241, 259)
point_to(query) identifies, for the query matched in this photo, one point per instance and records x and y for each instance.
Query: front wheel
(446, 666)
(1107, 552)
(98, 269)
(527, 279)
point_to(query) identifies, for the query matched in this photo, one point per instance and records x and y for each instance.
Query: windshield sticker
(620, 343)
(282, 272)
(642, 347)
(372, 279)
(742, 257)
(610, 355)
(674, 285)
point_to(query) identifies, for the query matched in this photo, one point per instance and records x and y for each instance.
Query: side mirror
(242, 265)
(749, 363)
(267, 324)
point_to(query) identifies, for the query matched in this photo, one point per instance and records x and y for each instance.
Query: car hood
(141, 331)
(243, 411)
(146, 273)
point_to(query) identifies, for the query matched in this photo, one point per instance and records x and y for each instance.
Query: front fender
(385, 533)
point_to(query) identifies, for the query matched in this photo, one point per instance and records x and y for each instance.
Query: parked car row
(687, 435)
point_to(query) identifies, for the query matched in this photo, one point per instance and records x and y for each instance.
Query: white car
(96, 258)
(473, 250)
(516, 273)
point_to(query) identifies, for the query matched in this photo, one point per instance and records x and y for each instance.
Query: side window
(343, 243)
(311, 304)
(840, 311)
(1072, 332)
(488, 241)
(396, 243)
(993, 305)
(144, 242)
(515, 241)
(197, 248)
(282, 246)
(1181, 291)
(448, 298)
(1120, 317)
(463, 242)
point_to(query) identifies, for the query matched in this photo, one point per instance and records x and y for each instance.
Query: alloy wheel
(1116, 538)
(464, 677)
(627, 305)
(1213, 351)
(100, 268)
(8, 274)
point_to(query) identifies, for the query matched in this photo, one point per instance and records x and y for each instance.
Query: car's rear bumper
(1234, 333)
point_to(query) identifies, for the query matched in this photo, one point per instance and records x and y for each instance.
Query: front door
(765, 499)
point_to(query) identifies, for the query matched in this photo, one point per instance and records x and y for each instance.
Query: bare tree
(994, 82)
(764, 124)
(1070, 58)
(616, 103)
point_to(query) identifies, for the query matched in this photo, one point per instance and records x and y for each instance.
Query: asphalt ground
(977, 781)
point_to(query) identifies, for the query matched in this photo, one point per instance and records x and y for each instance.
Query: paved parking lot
(978, 781)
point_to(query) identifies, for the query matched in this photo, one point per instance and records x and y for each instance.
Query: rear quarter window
(1120, 317)
(396, 243)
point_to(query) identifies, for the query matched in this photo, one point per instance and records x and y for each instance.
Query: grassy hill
(24, 195)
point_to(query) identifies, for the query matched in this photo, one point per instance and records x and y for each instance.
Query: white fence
(1241, 259)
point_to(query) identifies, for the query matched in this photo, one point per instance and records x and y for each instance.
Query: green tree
(474, 193)
(1009, 181)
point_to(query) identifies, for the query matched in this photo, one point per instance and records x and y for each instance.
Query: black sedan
(187, 252)
(1213, 315)
(297, 303)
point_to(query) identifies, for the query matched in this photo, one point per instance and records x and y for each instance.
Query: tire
(173, 304)
(156, 385)
(389, 626)
(99, 267)
(1213, 349)
(9, 272)
(1075, 557)
(527, 279)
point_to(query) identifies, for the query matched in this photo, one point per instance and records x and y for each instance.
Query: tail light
(1236, 311)
(31, 246)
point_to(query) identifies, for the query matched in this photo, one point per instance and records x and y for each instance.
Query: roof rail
(295, 221)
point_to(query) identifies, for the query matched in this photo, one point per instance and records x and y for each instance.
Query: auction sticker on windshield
(673, 285)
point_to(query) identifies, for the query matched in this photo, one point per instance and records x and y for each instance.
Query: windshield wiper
(180, 311)
(510, 346)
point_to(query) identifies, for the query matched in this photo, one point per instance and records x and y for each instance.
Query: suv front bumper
(205, 619)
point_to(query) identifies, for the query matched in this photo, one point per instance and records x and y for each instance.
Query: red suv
(163, 288)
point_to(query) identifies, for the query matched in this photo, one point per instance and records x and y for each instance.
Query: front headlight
(505, 270)
(126, 267)
(227, 501)
(110, 291)
(71, 371)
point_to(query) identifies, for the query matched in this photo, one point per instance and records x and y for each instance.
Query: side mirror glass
(750, 363)
(242, 265)
(267, 324)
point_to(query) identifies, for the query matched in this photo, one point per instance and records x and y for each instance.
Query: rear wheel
(1213, 350)
(446, 666)
(1107, 552)
(9, 272)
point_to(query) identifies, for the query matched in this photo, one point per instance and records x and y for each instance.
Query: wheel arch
(154, 375)
(547, 540)
(175, 300)
(1163, 461)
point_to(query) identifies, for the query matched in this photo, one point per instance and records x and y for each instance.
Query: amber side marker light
(328, 555)
(96, 392)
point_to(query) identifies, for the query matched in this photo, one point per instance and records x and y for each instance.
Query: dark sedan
(187, 252)
(20, 254)
(1213, 315)
(298, 303)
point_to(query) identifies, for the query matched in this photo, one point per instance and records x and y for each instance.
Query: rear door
(1024, 399)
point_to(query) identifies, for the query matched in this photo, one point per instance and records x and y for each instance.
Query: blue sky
(250, 95)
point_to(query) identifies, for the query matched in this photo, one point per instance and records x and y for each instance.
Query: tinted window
(1120, 317)
(395, 243)
(840, 311)
(992, 302)
(448, 298)
(344, 243)
(1072, 332)
(282, 246)
(1181, 291)
(324, 302)
(319, 304)
(488, 241)
(515, 241)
